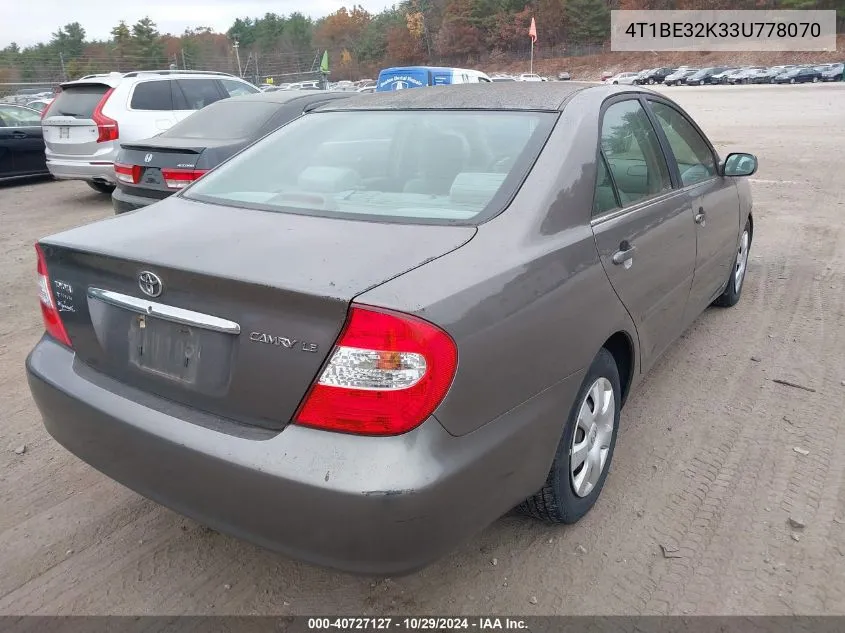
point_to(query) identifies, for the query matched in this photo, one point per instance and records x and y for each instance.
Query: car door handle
(18, 134)
(700, 217)
(624, 256)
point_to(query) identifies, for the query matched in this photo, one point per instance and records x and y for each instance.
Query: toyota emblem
(150, 284)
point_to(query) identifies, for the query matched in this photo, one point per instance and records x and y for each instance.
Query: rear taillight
(179, 178)
(128, 173)
(49, 309)
(46, 109)
(388, 372)
(107, 129)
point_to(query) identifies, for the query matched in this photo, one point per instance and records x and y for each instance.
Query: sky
(43, 17)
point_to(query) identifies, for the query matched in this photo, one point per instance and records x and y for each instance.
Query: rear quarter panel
(526, 300)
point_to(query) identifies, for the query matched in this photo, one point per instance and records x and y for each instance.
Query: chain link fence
(33, 74)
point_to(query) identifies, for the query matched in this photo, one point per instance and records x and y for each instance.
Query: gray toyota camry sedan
(367, 336)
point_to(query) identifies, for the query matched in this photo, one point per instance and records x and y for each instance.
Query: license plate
(64, 132)
(165, 349)
(152, 176)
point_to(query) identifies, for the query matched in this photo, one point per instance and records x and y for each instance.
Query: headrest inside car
(324, 179)
(475, 187)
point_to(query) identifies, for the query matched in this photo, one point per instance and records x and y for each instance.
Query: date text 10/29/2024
(416, 624)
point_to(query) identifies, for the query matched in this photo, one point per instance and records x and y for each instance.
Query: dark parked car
(21, 143)
(150, 170)
(705, 76)
(656, 76)
(679, 77)
(275, 350)
(799, 76)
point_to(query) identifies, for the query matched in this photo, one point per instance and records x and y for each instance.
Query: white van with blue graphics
(403, 77)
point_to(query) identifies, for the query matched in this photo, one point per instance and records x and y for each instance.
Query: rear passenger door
(151, 104)
(194, 94)
(714, 200)
(643, 226)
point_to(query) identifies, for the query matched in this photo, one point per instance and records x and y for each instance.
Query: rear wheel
(101, 187)
(585, 451)
(730, 297)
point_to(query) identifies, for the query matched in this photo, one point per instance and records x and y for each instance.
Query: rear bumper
(101, 171)
(368, 505)
(123, 202)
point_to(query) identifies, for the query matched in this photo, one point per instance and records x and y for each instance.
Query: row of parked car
(728, 75)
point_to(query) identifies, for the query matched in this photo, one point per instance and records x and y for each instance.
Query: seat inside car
(442, 157)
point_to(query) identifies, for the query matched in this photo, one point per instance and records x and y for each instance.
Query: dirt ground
(713, 458)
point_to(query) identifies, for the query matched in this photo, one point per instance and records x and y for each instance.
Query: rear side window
(225, 120)
(630, 145)
(237, 88)
(78, 101)
(605, 198)
(152, 95)
(199, 93)
(11, 116)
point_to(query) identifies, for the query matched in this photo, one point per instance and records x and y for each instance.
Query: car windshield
(425, 166)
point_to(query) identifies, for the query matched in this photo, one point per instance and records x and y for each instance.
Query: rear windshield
(425, 166)
(225, 120)
(78, 101)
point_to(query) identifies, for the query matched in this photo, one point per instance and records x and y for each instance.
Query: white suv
(90, 117)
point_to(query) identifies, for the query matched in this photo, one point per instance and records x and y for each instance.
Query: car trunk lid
(149, 166)
(250, 302)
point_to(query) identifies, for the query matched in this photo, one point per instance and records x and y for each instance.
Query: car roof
(285, 96)
(517, 95)
(112, 79)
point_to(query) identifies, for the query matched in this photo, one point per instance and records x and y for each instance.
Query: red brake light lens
(128, 173)
(107, 129)
(46, 109)
(388, 372)
(52, 321)
(179, 178)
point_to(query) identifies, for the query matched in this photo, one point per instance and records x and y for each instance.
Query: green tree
(588, 21)
(69, 40)
(243, 30)
(372, 44)
(122, 45)
(147, 42)
(298, 32)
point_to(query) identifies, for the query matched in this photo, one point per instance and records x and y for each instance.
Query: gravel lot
(713, 459)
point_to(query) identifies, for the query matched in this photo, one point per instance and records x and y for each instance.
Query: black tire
(100, 187)
(730, 297)
(556, 501)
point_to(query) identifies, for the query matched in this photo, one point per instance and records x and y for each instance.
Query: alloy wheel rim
(741, 261)
(592, 437)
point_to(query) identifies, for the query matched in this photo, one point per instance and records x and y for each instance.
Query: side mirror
(739, 164)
